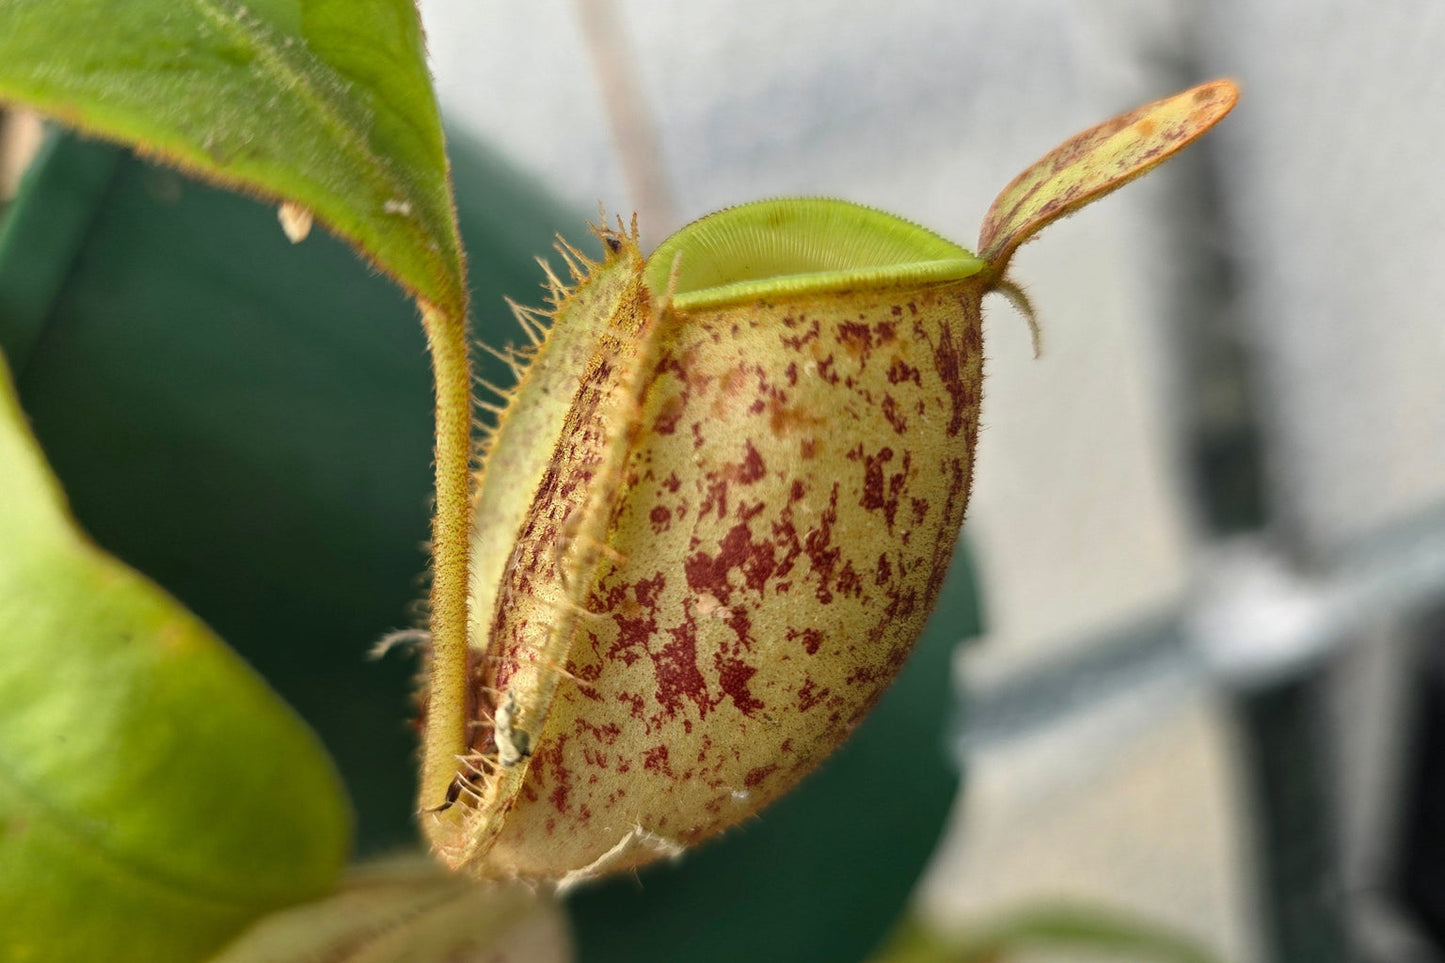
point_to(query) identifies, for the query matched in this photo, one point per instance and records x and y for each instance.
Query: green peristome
(155, 795)
(798, 246)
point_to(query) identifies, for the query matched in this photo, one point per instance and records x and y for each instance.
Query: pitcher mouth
(798, 246)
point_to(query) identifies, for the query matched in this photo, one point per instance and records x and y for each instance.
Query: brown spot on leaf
(856, 340)
(756, 776)
(810, 695)
(811, 639)
(752, 467)
(733, 677)
(784, 420)
(678, 677)
(894, 416)
(671, 411)
(881, 491)
(900, 371)
(655, 760)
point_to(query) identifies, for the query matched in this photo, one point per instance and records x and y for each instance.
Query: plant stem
(446, 709)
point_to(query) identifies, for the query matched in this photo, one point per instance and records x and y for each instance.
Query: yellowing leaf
(1101, 159)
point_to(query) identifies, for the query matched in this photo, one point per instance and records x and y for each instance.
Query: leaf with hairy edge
(1089, 165)
(155, 795)
(325, 103)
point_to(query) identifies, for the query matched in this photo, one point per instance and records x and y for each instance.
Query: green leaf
(325, 103)
(410, 910)
(155, 795)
